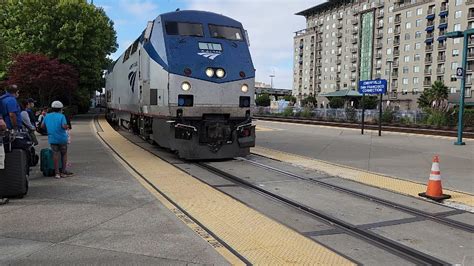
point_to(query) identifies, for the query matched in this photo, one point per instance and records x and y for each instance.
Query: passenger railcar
(187, 83)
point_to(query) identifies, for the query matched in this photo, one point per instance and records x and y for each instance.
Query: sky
(270, 24)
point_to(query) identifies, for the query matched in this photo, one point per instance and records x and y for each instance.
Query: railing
(398, 20)
(429, 48)
(441, 58)
(440, 70)
(428, 71)
(427, 83)
(428, 59)
(441, 46)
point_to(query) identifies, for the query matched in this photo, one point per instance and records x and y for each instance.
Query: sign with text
(377, 86)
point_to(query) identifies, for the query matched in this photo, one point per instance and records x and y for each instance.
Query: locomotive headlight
(210, 72)
(244, 88)
(220, 73)
(185, 86)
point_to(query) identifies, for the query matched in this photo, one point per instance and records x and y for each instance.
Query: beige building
(402, 41)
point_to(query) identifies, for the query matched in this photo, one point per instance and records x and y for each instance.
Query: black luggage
(13, 179)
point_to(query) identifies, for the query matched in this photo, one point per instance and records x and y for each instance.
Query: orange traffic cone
(434, 190)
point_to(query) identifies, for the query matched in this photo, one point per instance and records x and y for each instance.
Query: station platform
(101, 215)
(400, 162)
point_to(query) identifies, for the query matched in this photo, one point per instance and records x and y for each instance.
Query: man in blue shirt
(9, 108)
(56, 125)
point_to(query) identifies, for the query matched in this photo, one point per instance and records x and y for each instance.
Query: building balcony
(470, 54)
(469, 2)
(339, 44)
(379, 35)
(396, 52)
(354, 50)
(441, 46)
(340, 17)
(396, 31)
(440, 71)
(428, 60)
(379, 25)
(355, 32)
(380, 14)
(470, 41)
(430, 28)
(428, 71)
(338, 61)
(395, 64)
(443, 8)
(396, 42)
(379, 45)
(355, 21)
(377, 76)
(353, 59)
(393, 94)
(339, 52)
(378, 55)
(338, 79)
(353, 69)
(318, 56)
(398, 20)
(429, 48)
(441, 58)
(339, 35)
(353, 78)
(354, 40)
(319, 64)
(470, 15)
(427, 83)
(339, 25)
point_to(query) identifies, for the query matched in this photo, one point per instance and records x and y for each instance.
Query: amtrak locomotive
(187, 83)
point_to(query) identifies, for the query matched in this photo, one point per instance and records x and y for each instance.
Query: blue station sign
(377, 86)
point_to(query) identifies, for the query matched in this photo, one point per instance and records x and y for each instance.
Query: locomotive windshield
(225, 32)
(184, 29)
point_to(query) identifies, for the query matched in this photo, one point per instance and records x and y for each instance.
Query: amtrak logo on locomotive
(132, 75)
(211, 56)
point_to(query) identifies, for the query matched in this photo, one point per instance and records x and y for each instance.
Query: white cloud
(271, 25)
(140, 8)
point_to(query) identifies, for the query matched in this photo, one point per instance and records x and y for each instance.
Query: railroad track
(421, 131)
(393, 247)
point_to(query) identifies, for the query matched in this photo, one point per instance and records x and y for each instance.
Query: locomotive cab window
(184, 29)
(225, 32)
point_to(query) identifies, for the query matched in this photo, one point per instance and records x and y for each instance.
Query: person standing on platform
(27, 123)
(56, 125)
(10, 110)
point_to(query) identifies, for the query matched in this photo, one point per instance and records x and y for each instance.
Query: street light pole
(465, 35)
(463, 89)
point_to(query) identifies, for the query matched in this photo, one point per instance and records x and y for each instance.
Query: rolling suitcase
(13, 179)
(47, 162)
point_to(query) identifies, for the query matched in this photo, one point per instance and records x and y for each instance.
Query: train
(187, 83)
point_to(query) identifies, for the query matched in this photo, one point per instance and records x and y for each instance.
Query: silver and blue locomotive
(187, 83)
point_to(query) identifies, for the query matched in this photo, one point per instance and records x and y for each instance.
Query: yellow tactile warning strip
(257, 238)
(361, 176)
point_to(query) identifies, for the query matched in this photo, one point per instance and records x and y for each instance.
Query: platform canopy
(342, 93)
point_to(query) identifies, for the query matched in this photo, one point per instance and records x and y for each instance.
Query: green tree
(290, 98)
(73, 31)
(336, 102)
(263, 100)
(309, 101)
(370, 102)
(434, 97)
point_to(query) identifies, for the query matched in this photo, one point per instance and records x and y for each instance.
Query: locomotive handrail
(186, 126)
(243, 125)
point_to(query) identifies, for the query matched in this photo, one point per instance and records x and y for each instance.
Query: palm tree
(435, 97)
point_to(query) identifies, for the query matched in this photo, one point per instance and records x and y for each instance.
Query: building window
(405, 81)
(409, 13)
(458, 2)
(455, 52)
(416, 81)
(407, 59)
(416, 69)
(457, 27)
(390, 19)
(407, 36)
(405, 70)
(416, 57)
(458, 14)
(408, 25)
(390, 9)
(407, 47)
(454, 65)
(457, 41)
(419, 11)
(453, 90)
(390, 30)
(389, 41)
(418, 22)
(417, 34)
(389, 51)
(417, 46)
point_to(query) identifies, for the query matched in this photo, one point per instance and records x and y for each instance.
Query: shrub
(405, 120)
(309, 101)
(437, 118)
(307, 112)
(263, 100)
(388, 116)
(288, 111)
(370, 102)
